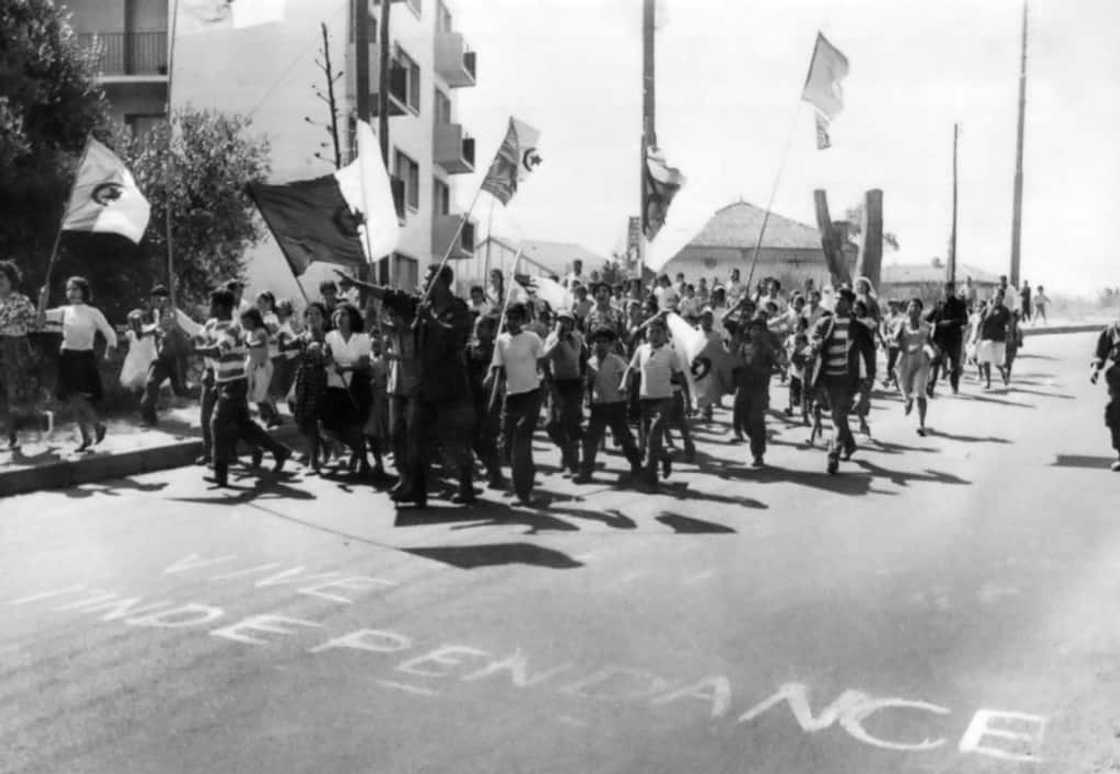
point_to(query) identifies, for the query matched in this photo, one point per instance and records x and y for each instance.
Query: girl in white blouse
(346, 404)
(79, 382)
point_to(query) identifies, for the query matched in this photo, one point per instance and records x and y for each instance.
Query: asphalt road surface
(945, 604)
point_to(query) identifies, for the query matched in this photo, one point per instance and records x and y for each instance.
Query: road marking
(46, 594)
(408, 688)
(570, 721)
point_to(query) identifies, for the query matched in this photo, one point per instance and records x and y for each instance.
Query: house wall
(790, 266)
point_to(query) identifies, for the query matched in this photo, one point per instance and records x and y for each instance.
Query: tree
(213, 220)
(331, 77)
(854, 217)
(49, 103)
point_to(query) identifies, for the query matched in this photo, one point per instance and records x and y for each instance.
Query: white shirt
(656, 366)
(667, 298)
(345, 353)
(1010, 299)
(519, 355)
(80, 324)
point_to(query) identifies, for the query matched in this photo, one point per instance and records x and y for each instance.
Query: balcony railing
(453, 62)
(129, 53)
(453, 151)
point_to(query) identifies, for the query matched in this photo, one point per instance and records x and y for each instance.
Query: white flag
(210, 15)
(364, 184)
(105, 198)
(553, 292)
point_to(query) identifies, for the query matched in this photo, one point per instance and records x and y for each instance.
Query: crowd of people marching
(428, 377)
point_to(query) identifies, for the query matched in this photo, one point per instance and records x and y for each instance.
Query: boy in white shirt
(605, 371)
(519, 357)
(655, 364)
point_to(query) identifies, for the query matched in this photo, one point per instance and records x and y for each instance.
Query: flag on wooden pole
(516, 158)
(105, 198)
(662, 184)
(822, 86)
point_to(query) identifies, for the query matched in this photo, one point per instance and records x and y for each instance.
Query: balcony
(443, 229)
(398, 82)
(129, 54)
(453, 151)
(454, 63)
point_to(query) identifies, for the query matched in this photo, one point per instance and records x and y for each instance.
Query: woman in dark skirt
(310, 378)
(348, 399)
(79, 383)
(19, 386)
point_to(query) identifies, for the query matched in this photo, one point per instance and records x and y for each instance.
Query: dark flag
(311, 222)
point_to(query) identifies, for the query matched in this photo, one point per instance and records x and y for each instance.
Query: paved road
(946, 604)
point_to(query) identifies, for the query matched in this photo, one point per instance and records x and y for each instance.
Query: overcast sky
(729, 75)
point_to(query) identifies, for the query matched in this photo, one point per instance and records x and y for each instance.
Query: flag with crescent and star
(346, 218)
(822, 86)
(105, 198)
(516, 158)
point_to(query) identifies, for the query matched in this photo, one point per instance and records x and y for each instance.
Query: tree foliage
(212, 159)
(49, 103)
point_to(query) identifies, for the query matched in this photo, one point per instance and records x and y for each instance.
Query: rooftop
(555, 257)
(737, 226)
(933, 271)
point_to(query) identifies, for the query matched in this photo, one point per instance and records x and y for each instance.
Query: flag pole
(169, 170)
(773, 193)
(447, 253)
(502, 320)
(46, 289)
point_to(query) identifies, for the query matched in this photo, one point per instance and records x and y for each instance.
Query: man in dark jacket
(949, 318)
(1108, 348)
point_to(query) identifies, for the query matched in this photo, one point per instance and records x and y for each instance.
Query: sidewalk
(49, 460)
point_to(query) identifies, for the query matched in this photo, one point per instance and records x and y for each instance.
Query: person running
(915, 344)
(654, 367)
(836, 373)
(1041, 302)
(18, 381)
(79, 382)
(1108, 349)
(797, 349)
(519, 359)
(949, 319)
(605, 370)
(894, 318)
(348, 399)
(760, 356)
(231, 421)
(173, 331)
(565, 355)
(995, 323)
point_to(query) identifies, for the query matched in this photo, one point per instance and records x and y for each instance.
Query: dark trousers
(796, 392)
(162, 368)
(751, 403)
(892, 361)
(519, 419)
(841, 390)
(451, 423)
(1112, 410)
(208, 399)
(948, 361)
(613, 416)
(231, 423)
(487, 428)
(565, 420)
(399, 435)
(655, 418)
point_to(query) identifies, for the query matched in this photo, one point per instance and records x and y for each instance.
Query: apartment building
(269, 73)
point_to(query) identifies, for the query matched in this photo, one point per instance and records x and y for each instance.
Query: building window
(406, 274)
(140, 124)
(408, 171)
(443, 18)
(443, 108)
(441, 197)
(412, 73)
(416, 6)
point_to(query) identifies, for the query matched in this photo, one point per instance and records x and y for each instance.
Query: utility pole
(952, 268)
(383, 104)
(649, 134)
(1017, 211)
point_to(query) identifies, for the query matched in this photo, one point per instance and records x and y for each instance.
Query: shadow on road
(1082, 461)
(999, 401)
(496, 554)
(113, 488)
(686, 525)
(966, 438)
(266, 486)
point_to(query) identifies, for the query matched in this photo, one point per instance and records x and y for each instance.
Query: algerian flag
(105, 198)
(688, 342)
(209, 15)
(516, 158)
(822, 86)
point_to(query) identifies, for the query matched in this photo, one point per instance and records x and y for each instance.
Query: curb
(66, 474)
(1080, 328)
